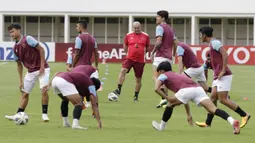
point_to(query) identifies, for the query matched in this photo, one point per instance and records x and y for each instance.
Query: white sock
(65, 119)
(231, 120)
(162, 124)
(75, 122)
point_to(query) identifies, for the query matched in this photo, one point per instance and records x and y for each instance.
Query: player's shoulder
(215, 42)
(144, 33)
(29, 37)
(130, 33)
(159, 27)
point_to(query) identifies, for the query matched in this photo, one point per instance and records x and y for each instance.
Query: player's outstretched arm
(180, 64)
(158, 90)
(189, 116)
(93, 99)
(42, 58)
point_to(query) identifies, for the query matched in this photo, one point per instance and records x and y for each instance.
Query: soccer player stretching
(185, 90)
(29, 53)
(136, 45)
(70, 86)
(222, 77)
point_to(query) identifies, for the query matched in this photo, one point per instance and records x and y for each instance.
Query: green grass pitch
(123, 121)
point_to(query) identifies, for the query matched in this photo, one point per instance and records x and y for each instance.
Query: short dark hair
(96, 82)
(83, 23)
(208, 31)
(166, 66)
(15, 26)
(163, 14)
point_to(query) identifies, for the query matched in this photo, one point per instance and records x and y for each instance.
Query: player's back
(167, 42)
(189, 58)
(175, 81)
(86, 69)
(87, 49)
(80, 80)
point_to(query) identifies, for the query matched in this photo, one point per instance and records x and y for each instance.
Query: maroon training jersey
(189, 59)
(216, 58)
(175, 82)
(27, 54)
(87, 69)
(165, 50)
(86, 43)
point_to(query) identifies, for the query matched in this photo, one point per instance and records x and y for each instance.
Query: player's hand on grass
(190, 120)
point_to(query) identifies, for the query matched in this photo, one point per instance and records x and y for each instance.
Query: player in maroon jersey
(163, 48)
(185, 90)
(71, 86)
(85, 48)
(222, 77)
(28, 53)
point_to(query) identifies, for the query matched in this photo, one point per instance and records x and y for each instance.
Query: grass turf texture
(123, 121)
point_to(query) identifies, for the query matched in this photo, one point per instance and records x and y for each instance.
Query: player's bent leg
(210, 116)
(205, 86)
(211, 108)
(76, 100)
(172, 102)
(64, 110)
(223, 97)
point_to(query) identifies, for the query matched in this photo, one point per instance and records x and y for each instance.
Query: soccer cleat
(66, 124)
(79, 127)
(202, 124)
(245, 120)
(156, 126)
(88, 104)
(117, 92)
(236, 127)
(10, 117)
(45, 118)
(161, 103)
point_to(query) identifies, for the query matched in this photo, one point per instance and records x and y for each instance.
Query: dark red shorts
(138, 67)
